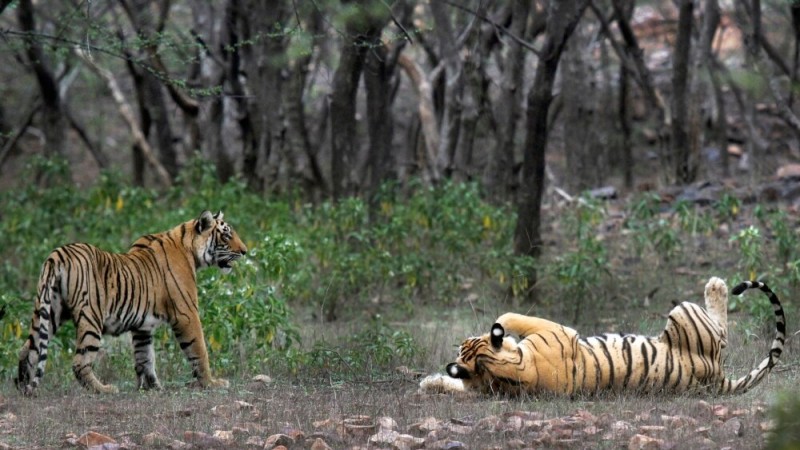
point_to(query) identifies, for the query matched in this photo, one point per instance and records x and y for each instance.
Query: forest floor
(260, 412)
(384, 414)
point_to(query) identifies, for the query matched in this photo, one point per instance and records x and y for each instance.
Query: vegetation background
(403, 173)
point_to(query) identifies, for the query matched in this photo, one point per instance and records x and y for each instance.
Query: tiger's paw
(210, 383)
(105, 389)
(716, 291)
(217, 383)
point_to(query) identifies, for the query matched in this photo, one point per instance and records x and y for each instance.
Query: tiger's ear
(497, 335)
(456, 371)
(203, 222)
(218, 215)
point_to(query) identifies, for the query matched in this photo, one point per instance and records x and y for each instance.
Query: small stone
(93, 439)
(266, 379)
(733, 427)
(643, 442)
(320, 444)
(278, 439)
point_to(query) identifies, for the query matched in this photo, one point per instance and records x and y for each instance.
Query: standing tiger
(107, 293)
(553, 358)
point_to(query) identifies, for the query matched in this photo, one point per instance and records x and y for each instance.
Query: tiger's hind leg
(87, 345)
(716, 297)
(145, 359)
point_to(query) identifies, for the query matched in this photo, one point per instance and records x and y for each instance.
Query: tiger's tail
(755, 376)
(33, 355)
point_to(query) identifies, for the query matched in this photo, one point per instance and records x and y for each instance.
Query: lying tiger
(552, 358)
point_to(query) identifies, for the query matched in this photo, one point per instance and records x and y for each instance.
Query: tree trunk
(152, 94)
(53, 122)
(681, 144)
(380, 123)
(450, 122)
(563, 16)
(579, 99)
(362, 33)
(501, 161)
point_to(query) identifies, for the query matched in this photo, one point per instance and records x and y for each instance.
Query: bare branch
(497, 26)
(12, 141)
(127, 113)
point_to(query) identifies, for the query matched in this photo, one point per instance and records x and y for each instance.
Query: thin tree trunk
(140, 14)
(681, 144)
(563, 16)
(362, 33)
(53, 122)
(450, 123)
(501, 162)
(380, 123)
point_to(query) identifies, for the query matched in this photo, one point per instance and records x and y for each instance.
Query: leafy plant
(579, 270)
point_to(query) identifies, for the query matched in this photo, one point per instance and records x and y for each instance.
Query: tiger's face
(216, 243)
(484, 362)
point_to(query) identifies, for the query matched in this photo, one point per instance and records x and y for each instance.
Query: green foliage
(366, 354)
(579, 270)
(749, 241)
(340, 258)
(652, 228)
(786, 415)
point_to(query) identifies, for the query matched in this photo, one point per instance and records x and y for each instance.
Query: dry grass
(62, 409)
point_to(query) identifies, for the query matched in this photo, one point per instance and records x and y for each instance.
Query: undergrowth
(418, 249)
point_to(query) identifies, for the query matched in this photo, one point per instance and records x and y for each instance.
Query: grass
(407, 283)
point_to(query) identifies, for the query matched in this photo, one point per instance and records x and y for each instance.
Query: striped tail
(33, 356)
(756, 375)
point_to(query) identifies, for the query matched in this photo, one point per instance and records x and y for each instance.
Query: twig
(505, 30)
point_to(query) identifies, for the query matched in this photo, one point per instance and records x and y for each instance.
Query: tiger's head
(216, 243)
(488, 363)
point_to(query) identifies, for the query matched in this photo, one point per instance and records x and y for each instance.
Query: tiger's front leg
(88, 344)
(189, 334)
(145, 359)
(522, 326)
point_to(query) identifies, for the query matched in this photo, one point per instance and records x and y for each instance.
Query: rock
(262, 379)
(203, 440)
(426, 425)
(359, 425)
(278, 439)
(224, 435)
(387, 423)
(383, 437)
(721, 411)
(319, 444)
(621, 426)
(91, 439)
(642, 442)
(446, 444)
(604, 193)
(789, 171)
(733, 427)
